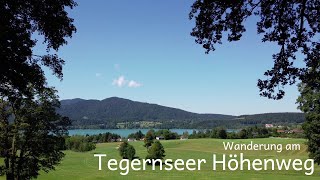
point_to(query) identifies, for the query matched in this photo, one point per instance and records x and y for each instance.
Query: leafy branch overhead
(292, 24)
(20, 21)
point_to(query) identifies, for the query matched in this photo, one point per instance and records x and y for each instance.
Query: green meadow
(78, 165)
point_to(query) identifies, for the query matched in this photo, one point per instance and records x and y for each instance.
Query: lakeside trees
(293, 26)
(166, 134)
(137, 135)
(103, 138)
(246, 133)
(149, 138)
(79, 144)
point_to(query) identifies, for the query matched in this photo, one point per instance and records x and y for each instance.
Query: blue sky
(143, 51)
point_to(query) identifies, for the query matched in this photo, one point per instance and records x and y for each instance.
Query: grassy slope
(85, 166)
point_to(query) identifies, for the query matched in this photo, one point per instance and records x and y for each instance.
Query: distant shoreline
(126, 132)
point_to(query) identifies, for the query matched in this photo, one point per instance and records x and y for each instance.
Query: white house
(183, 138)
(269, 125)
(159, 138)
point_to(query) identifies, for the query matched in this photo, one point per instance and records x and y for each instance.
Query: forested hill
(120, 109)
(111, 112)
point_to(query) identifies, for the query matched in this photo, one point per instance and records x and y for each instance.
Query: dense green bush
(127, 151)
(167, 134)
(156, 151)
(248, 132)
(149, 138)
(103, 138)
(137, 135)
(79, 144)
(243, 134)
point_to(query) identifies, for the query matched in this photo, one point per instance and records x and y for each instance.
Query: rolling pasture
(84, 166)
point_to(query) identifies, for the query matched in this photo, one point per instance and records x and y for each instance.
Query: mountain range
(117, 112)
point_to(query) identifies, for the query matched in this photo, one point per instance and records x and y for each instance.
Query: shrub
(149, 138)
(79, 143)
(127, 151)
(222, 134)
(156, 151)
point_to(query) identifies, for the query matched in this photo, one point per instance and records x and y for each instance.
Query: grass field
(85, 166)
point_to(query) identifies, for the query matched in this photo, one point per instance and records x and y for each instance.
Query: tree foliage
(138, 135)
(31, 130)
(32, 135)
(293, 25)
(156, 151)
(103, 138)
(126, 151)
(243, 134)
(222, 134)
(149, 138)
(166, 134)
(19, 21)
(309, 102)
(79, 144)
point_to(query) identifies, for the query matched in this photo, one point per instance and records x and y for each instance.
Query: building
(269, 125)
(297, 131)
(159, 138)
(183, 138)
(280, 131)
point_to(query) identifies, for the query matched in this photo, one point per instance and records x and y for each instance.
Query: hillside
(113, 112)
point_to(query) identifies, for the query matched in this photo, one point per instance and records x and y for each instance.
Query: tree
(126, 151)
(309, 103)
(222, 134)
(148, 140)
(166, 133)
(243, 134)
(122, 149)
(29, 124)
(156, 151)
(137, 135)
(263, 131)
(18, 22)
(79, 143)
(131, 152)
(214, 133)
(31, 135)
(292, 25)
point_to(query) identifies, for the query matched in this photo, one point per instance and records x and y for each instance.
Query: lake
(126, 132)
(121, 132)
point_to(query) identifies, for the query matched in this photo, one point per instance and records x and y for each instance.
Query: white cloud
(120, 81)
(134, 84)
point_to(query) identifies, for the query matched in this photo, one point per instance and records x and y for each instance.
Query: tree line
(80, 143)
(87, 142)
